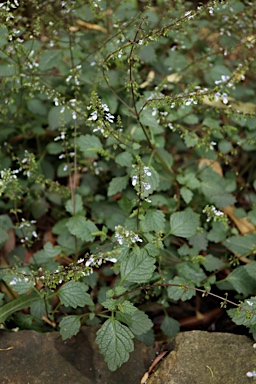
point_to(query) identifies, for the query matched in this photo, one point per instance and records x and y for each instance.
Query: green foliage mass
(127, 153)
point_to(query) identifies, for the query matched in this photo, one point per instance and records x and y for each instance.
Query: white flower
(217, 95)
(110, 117)
(249, 303)
(147, 172)
(105, 107)
(225, 98)
(147, 186)
(94, 116)
(134, 180)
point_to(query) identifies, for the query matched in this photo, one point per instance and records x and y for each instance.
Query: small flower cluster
(224, 97)
(215, 214)
(103, 117)
(140, 179)
(124, 235)
(7, 177)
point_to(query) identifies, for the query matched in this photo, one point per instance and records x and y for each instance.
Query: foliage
(127, 151)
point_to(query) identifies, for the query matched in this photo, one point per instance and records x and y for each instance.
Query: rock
(207, 358)
(36, 358)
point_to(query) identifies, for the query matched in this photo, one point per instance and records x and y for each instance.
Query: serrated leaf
(184, 224)
(251, 269)
(212, 263)
(23, 301)
(69, 326)
(214, 188)
(241, 281)
(38, 308)
(51, 251)
(49, 59)
(190, 180)
(127, 307)
(180, 292)
(137, 268)
(152, 250)
(199, 241)
(240, 315)
(89, 145)
(18, 283)
(124, 159)
(170, 327)
(115, 343)
(241, 245)
(109, 304)
(154, 221)
(191, 271)
(186, 194)
(78, 206)
(117, 184)
(57, 119)
(138, 322)
(82, 228)
(74, 294)
(217, 233)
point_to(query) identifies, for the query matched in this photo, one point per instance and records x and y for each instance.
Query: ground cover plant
(128, 136)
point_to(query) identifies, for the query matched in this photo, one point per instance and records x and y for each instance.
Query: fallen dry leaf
(243, 224)
(215, 165)
(86, 25)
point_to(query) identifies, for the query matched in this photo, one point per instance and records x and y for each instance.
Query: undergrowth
(128, 136)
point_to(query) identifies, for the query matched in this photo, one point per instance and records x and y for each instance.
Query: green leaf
(23, 301)
(251, 269)
(124, 159)
(51, 251)
(241, 281)
(191, 139)
(190, 180)
(78, 206)
(152, 250)
(242, 245)
(49, 59)
(186, 194)
(127, 307)
(191, 271)
(154, 221)
(137, 267)
(117, 184)
(82, 228)
(57, 119)
(240, 316)
(199, 241)
(115, 343)
(215, 188)
(138, 322)
(184, 224)
(147, 338)
(170, 327)
(180, 292)
(74, 294)
(19, 283)
(217, 233)
(69, 326)
(212, 263)
(3, 237)
(89, 145)
(38, 308)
